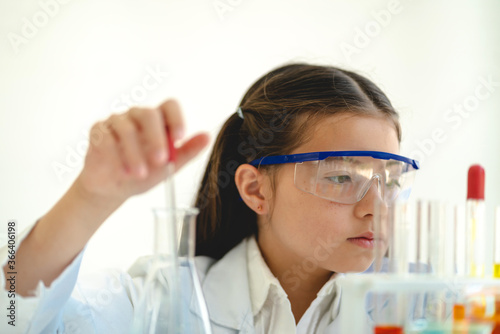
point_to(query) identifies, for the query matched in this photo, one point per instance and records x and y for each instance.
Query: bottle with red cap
(476, 222)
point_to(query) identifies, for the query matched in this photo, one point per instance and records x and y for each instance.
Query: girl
(286, 205)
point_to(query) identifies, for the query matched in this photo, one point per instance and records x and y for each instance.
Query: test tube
(460, 241)
(389, 313)
(421, 252)
(475, 222)
(441, 242)
(380, 237)
(391, 236)
(435, 243)
(393, 231)
(496, 245)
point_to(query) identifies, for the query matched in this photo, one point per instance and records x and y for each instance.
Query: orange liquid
(388, 330)
(478, 312)
(496, 317)
(496, 329)
(458, 312)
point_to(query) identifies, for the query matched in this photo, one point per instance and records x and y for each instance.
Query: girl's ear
(253, 188)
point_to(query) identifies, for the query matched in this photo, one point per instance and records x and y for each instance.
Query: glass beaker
(172, 300)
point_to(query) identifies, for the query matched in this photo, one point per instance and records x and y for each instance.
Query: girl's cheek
(337, 206)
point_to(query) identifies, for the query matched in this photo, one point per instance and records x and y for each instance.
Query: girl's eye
(340, 179)
(393, 183)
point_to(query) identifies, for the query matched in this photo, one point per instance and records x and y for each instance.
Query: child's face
(307, 233)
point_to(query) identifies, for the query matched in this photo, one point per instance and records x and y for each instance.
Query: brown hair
(278, 110)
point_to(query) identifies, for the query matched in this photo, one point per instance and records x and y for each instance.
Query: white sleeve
(97, 303)
(101, 303)
(40, 313)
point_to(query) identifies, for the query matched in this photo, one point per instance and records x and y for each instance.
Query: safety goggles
(346, 176)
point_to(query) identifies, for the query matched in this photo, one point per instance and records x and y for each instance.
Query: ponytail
(224, 219)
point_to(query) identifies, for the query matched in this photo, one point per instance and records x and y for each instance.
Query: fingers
(100, 138)
(140, 138)
(151, 128)
(174, 121)
(104, 147)
(190, 149)
(127, 137)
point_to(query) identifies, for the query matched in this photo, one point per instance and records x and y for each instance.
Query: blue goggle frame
(312, 156)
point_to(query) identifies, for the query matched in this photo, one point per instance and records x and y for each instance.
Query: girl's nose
(374, 181)
(371, 200)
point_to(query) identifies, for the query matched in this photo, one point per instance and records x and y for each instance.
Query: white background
(428, 56)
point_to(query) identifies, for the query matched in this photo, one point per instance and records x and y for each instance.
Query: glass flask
(172, 300)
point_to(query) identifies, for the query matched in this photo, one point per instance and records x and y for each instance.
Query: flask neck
(187, 235)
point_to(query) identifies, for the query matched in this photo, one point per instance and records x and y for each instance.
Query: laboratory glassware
(172, 299)
(496, 245)
(476, 222)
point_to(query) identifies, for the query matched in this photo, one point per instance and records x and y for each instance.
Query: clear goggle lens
(346, 180)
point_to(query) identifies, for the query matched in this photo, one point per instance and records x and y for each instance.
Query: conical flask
(172, 300)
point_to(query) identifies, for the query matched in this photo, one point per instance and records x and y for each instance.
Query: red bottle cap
(475, 182)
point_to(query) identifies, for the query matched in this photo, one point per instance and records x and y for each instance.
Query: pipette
(169, 182)
(173, 246)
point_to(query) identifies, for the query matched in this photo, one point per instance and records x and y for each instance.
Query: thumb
(190, 149)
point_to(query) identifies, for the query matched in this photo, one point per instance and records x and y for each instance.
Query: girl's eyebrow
(360, 161)
(355, 161)
(375, 163)
(348, 159)
(394, 166)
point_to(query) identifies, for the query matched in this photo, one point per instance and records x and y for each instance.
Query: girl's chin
(358, 268)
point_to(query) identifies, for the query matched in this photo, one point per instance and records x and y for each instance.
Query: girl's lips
(366, 235)
(364, 240)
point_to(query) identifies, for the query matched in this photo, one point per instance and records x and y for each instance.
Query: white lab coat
(104, 303)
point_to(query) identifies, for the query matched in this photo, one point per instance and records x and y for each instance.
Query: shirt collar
(330, 286)
(260, 277)
(228, 304)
